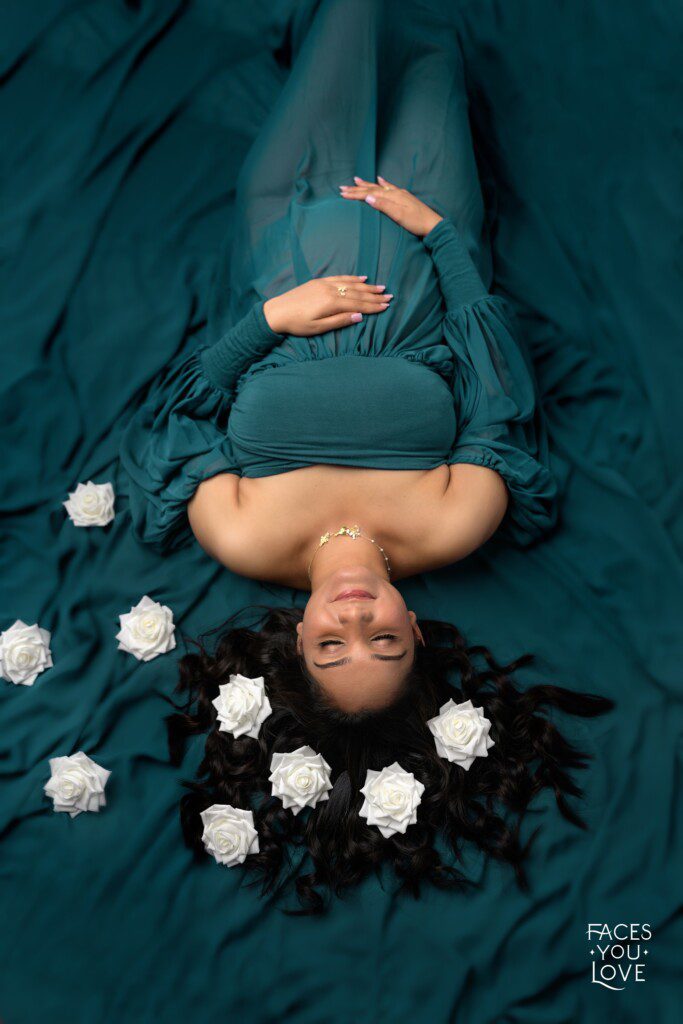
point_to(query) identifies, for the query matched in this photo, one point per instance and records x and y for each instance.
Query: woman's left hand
(399, 204)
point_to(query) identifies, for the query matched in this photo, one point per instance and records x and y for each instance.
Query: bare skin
(357, 636)
(358, 647)
(268, 528)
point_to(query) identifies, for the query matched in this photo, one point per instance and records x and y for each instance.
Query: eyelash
(382, 636)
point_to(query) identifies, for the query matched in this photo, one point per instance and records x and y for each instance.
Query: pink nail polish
(363, 277)
(356, 178)
(388, 296)
(371, 200)
(356, 317)
(380, 287)
(384, 305)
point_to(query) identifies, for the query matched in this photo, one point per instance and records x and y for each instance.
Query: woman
(369, 416)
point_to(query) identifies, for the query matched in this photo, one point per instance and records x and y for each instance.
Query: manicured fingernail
(356, 178)
(380, 287)
(371, 200)
(356, 317)
(344, 186)
(388, 296)
(384, 305)
(363, 277)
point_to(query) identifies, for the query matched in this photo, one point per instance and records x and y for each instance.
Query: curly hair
(337, 849)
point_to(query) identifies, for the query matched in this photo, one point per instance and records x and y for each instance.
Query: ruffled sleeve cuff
(500, 422)
(180, 435)
(532, 487)
(177, 439)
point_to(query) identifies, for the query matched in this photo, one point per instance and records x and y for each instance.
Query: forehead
(362, 683)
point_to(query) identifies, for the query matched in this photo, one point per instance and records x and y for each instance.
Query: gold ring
(342, 290)
(387, 188)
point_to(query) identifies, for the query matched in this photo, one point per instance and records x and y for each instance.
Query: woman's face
(358, 638)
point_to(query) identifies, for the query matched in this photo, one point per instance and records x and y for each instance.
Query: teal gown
(126, 125)
(439, 378)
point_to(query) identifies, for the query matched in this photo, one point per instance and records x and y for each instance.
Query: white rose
(147, 630)
(392, 798)
(301, 778)
(76, 784)
(461, 733)
(91, 504)
(24, 653)
(242, 705)
(229, 834)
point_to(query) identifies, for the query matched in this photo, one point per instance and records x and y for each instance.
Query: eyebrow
(377, 657)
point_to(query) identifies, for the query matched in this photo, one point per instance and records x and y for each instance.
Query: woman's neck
(340, 552)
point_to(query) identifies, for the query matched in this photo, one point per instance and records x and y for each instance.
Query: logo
(618, 954)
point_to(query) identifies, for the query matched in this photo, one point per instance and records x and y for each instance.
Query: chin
(355, 572)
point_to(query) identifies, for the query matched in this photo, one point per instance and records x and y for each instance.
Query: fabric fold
(500, 422)
(177, 439)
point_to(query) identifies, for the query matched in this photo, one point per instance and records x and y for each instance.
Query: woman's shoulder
(473, 507)
(213, 512)
(465, 513)
(243, 532)
(261, 528)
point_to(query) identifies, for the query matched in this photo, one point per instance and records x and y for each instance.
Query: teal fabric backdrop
(124, 130)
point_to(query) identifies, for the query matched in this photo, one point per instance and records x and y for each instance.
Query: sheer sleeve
(500, 424)
(179, 436)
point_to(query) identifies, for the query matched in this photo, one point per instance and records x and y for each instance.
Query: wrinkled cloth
(125, 130)
(255, 403)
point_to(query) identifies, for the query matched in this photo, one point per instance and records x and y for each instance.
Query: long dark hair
(330, 848)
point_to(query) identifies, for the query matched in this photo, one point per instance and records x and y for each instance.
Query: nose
(355, 611)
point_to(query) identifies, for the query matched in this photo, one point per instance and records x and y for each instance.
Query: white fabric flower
(229, 834)
(76, 784)
(242, 705)
(461, 733)
(301, 778)
(91, 504)
(147, 630)
(392, 798)
(24, 653)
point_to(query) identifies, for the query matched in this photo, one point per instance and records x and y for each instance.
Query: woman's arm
(323, 304)
(213, 513)
(177, 443)
(458, 277)
(474, 505)
(500, 426)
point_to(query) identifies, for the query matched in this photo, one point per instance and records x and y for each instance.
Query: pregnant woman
(369, 416)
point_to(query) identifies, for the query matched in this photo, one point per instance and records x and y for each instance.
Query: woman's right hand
(324, 304)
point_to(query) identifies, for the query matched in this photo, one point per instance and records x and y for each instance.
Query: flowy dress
(441, 377)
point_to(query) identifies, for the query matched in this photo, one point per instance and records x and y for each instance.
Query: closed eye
(347, 661)
(376, 657)
(382, 636)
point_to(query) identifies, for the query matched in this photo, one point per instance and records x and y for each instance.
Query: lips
(355, 595)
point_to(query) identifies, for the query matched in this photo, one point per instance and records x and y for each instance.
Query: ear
(299, 631)
(417, 632)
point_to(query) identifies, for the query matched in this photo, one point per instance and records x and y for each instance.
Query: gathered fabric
(126, 254)
(440, 377)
